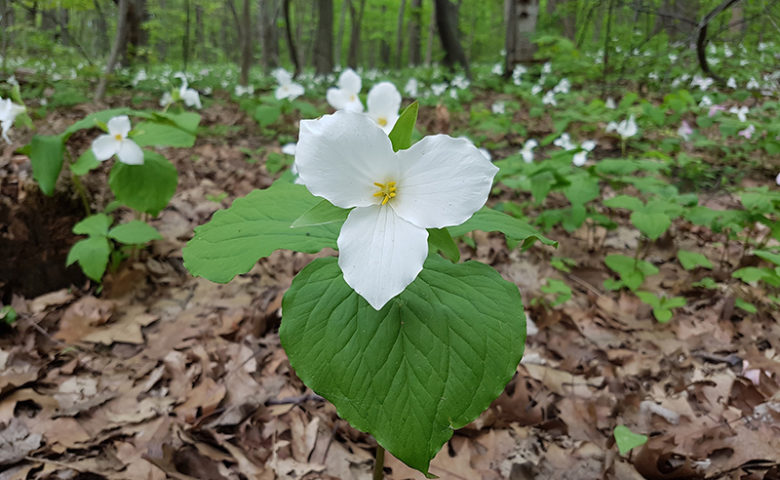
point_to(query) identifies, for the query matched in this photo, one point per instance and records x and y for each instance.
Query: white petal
(281, 92)
(383, 103)
(130, 153)
(119, 126)
(340, 156)
(337, 98)
(380, 253)
(580, 158)
(289, 148)
(105, 146)
(295, 90)
(443, 181)
(350, 82)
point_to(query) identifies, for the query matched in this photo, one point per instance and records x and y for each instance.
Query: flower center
(386, 191)
(382, 121)
(352, 98)
(118, 137)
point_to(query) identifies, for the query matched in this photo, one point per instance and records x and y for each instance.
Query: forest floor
(161, 375)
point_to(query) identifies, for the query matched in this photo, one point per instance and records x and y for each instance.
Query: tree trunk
(415, 25)
(269, 33)
(136, 37)
(562, 10)
(323, 46)
(447, 24)
(185, 42)
(246, 43)
(290, 41)
(521, 16)
(701, 40)
(102, 29)
(340, 38)
(672, 16)
(6, 20)
(119, 40)
(399, 35)
(431, 34)
(356, 17)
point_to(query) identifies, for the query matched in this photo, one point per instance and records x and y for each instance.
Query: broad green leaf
(440, 239)
(134, 232)
(94, 225)
(252, 228)
(267, 114)
(428, 363)
(46, 154)
(489, 220)
(768, 256)
(582, 190)
(401, 134)
(662, 314)
(628, 100)
(146, 188)
(94, 119)
(751, 274)
(627, 440)
(323, 213)
(746, 306)
(92, 255)
(652, 225)
(8, 315)
(187, 121)
(690, 260)
(147, 134)
(624, 201)
(649, 298)
(85, 163)
(559, 289)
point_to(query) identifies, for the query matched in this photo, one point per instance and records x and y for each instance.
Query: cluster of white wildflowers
(287, 88)
(383, 100)
(188, 95)
(8, 113)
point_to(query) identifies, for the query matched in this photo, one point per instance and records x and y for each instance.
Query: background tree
(447, 25)
(323, 46)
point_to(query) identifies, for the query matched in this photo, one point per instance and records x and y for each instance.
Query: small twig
(295, 400)
(379, 463)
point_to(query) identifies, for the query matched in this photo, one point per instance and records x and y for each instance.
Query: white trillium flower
(287, 88)
(345, 97)
(705, 101)
(752, 84)
(563, 86)
(610, 103)
(242, 90)
(685, 131)
(411, 88)
(395, 196)
(189, 96)
(549, 98)
(547, 68)
(536, 89)
(289, 148)
(383, 102)
(564, 141)
(166, 99)
(731, 83)
(527, 151)
(626, 128)
(116, 143)
(498, 69)
(498, 108)
(740, 112)
(438, 88)
(581, 157)
(8, 112)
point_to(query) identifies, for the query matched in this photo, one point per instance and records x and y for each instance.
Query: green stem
(82, 193)
(379, 463)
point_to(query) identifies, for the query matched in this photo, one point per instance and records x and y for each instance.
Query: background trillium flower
(345, 97)
(8, 112)
(626, 128)
(287, 88)
(411, 88)
(440, 181)
(740, 112)
(528, 150)
(581, 157)
(383, 102)
(685, 130)
(117, 143)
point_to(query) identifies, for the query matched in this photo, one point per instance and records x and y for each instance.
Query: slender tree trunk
(323, 47)
(340, 38)
(415, 25)
(431, 34)
(356, 17)
(246, 43)
(102, 29)
(521, 16)
(119, 40)
(185, 42)
(136, 37)
(399, 35)
(701, 40)
(269, 33)
(447, 24)
(290, 41)
(5, 26)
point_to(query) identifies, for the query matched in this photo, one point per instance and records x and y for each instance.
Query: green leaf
(652, 225)
(85, 163)
(751, 274)
(746, 306)
(134, 232)
(558, 288)
(624, 201)
(632, 272)
(627, 440)
(401, 134)
(691, 260)
(147, 134)
(705, 282)
(146, 188)
(8, 315)
(489, 220)
(92, 254)
(440, 239)
(95, 119)
(94, 225)
(649, 298)
(252, 228)
(46, 153)
(266, 115)
(768, 256)
(323, 213)
(428, 363)
(187, 121)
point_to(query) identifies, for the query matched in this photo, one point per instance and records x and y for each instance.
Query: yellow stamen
(382, 121)
(352, 98)
(386, 191)
(118, 137)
